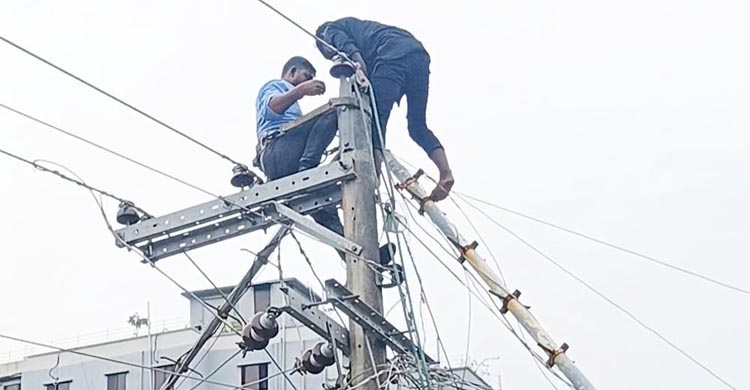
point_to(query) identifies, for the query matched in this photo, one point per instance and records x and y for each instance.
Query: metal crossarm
(370, 320)
(237, 214)
(309, 314)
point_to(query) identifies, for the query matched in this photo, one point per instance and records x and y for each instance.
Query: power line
(283, 372)
(608, 244)
(205, 354)
(423, 297)
(71, 180)
(463, 197)
(104, 148)
(226, 298)
(105, 193)
(120, 155)
(212, 373)
(306, 31)
(115, 98)
(611, 302)
(116, 361)
(481, 239)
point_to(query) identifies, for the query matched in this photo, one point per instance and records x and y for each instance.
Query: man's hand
(361, 79)
(311, 88)
(357, 58)
(443, 187)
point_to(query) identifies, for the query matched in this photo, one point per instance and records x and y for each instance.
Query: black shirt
(376, 42)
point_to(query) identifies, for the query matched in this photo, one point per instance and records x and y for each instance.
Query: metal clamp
(553, 353)
(507, 299)
(410, 180)
(465, 248)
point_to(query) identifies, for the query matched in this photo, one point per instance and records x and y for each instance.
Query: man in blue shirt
(282, 154)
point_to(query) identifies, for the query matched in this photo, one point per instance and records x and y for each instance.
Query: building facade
(123, 364)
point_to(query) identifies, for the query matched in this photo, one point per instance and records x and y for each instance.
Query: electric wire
(501, 318)
(403, 285)
(464, 197)
(136, 250)
(226, 298)
(423, 296)
(481, 239)
(112, 360)
(115, 98)
(118, 198)
(613, 303)
(283, 372)
(106, 149)
(212, 373)
(315, 274)
(299, 26)
(519, 334)
(468, 327)
(71, 180)
(203, 357)
(608, 244)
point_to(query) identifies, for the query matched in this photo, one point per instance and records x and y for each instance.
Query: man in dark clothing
(396, 64)
(282, 154)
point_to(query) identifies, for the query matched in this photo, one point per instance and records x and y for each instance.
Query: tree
(136, 321)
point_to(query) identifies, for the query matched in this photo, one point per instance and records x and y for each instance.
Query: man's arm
(281, 102)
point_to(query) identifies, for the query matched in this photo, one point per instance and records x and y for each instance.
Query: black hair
(321, 34)
(299, 63)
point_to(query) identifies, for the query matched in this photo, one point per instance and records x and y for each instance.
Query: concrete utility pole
(556, 354)
(360, 226)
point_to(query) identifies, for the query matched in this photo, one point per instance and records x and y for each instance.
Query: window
(262, 297)
(160, 376)
(253, 374)
(116, 381)
(17, 386)
(60, 386)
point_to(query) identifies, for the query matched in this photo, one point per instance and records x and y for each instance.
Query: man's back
(268, 122)
(376, 42)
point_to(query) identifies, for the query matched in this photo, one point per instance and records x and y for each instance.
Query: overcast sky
(625, 120)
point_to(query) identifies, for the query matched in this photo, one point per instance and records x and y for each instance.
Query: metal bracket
(236, 214)
(316, 230)
(371, 320)
(304, 311)
(553, 353)
(473, 246)
(234, 226)
(506, 300)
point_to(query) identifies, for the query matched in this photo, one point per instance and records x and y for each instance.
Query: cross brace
(237, 214)
(371, 320)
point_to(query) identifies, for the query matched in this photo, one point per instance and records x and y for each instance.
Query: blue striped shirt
(268, 121)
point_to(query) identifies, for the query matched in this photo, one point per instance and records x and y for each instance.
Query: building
(77, 372)
(123, 364)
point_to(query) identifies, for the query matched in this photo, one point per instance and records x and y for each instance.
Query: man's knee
(417, 126)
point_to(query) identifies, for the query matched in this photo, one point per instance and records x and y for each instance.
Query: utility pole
(360, 226)
(556, 353)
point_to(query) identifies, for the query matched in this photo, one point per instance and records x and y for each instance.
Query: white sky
(625, 120)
